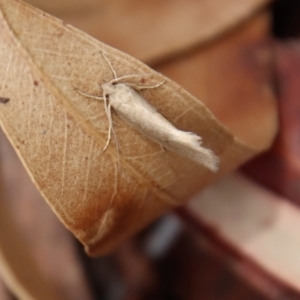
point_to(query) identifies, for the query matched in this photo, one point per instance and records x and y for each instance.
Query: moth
(125, 99)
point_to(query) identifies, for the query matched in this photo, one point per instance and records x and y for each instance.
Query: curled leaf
(102, 197)
(128, 25)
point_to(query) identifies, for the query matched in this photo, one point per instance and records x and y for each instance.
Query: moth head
(108, 88)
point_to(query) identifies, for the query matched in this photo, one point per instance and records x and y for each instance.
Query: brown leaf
(153, 29)
(233, 77)
(4, 295)
(16, 260)
(59, 134)
(279, 168)
(49, 243)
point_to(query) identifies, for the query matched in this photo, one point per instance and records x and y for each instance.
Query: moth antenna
(110, 65)
(126, 76)
(88, 95)
(144, 87)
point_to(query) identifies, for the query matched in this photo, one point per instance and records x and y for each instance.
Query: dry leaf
(59, 134)
(279, 168)
(16, 261)
(233, 77)
(128, 25)
(4, 295)
(50, 245)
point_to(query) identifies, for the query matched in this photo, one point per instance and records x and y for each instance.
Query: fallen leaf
(128, 25)
(59, 134)
(46, 240)
(233, 77)
(15, 261)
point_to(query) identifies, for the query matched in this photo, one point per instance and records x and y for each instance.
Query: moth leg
(90, 96)
(110, 65)
(135, 86)
(111, 130)
(115, 80)
(107, 107)
(144, 87)
(162, 148)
